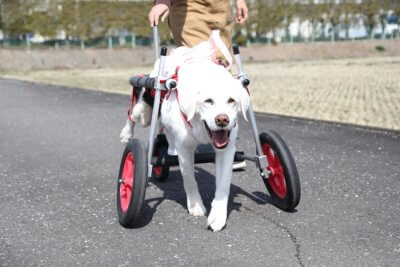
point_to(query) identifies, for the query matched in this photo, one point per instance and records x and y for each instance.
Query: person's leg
(191, 21)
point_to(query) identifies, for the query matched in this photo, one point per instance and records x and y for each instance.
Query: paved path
(59, 158)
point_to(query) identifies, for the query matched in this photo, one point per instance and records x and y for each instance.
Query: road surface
(59, 160)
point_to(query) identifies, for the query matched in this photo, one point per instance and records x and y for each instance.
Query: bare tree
(314, 13)
(269, 16)
(395, 6)
(1, 15)
(17, 16)
(372, 11)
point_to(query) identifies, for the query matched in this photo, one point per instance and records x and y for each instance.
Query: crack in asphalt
(292, 237)
(286, 229)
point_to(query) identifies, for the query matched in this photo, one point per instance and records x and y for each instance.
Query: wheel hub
(276, 177)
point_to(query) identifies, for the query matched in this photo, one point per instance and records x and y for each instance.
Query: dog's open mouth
(220, 138)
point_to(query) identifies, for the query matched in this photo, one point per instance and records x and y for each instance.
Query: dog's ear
(244, 100)
(189, 84)
(187, 103)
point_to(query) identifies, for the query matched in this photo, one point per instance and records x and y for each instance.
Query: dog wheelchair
(273, 158)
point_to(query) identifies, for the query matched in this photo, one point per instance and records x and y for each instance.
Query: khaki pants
(191, 21)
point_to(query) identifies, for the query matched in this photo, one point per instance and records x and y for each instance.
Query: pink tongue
(220, 138)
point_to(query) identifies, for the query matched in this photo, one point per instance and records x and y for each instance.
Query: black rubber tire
(291, 199)
(129, 217)
(161, 149)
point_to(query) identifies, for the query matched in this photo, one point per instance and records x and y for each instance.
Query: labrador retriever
(203, 109)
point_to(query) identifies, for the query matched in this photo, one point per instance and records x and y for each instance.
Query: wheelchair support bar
(198, 159)
(261, 160)
(156, 107)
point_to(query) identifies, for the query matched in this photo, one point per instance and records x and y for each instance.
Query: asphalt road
(59, 160)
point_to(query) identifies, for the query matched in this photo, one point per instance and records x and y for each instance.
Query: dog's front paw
(197, 210)
(217, 218)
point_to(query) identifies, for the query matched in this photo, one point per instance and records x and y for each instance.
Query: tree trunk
(383, 25)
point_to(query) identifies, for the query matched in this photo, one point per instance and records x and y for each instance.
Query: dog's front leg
(186, 165)
(223, 168)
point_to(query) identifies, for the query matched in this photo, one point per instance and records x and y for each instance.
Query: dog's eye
(209, 101)
(231, 101)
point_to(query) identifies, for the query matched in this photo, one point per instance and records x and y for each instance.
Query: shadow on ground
(172, 189)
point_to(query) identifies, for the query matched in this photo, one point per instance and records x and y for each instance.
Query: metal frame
(156, 107)
(260, 159)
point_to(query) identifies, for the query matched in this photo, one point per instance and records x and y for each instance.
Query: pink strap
(216, 44)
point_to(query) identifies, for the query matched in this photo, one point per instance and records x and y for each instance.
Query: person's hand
(242, 11)
(160, 9)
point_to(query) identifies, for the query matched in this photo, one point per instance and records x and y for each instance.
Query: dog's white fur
(205, 91)
(141, 114)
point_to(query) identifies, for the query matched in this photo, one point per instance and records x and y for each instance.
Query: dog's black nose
(222, 120)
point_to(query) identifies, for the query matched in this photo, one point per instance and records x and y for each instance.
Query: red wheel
(283, 182)
(160, 173)
(132, 182)
(126, 184)
(277, 177)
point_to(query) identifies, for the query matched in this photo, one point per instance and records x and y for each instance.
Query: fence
(133, 41)
(100, 42)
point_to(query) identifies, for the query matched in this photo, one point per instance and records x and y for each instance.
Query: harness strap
(217, 44)
(164, 94)
(175, 77)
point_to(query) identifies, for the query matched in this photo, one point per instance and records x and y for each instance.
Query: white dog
(202, 110)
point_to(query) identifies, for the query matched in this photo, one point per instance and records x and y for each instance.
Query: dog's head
(209, 91)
